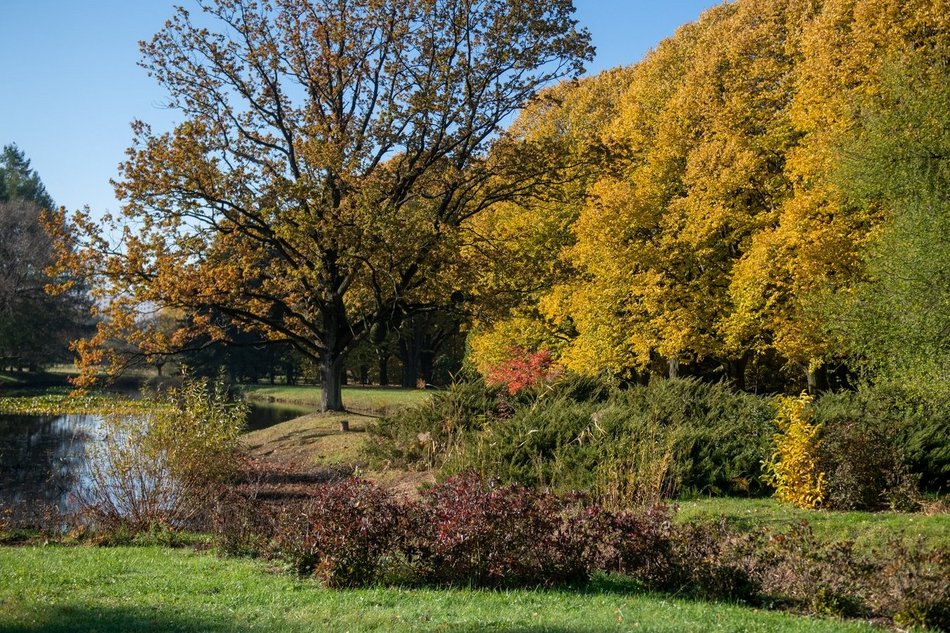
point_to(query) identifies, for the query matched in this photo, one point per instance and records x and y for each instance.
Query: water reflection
(261, 416)
(42, 460)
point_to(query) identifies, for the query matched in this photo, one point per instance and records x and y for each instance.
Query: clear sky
(71, 85)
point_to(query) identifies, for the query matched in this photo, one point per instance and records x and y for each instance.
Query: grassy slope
(313, 439)
(150, 589)
(372, 400)
(867, 529)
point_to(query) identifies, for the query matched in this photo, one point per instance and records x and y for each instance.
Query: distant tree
(19, 182)
(35, 327)
(329, 153)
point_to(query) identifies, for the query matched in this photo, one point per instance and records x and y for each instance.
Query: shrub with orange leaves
(523, 369)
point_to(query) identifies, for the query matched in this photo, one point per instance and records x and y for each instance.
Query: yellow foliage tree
(515, 249)
(711, 228)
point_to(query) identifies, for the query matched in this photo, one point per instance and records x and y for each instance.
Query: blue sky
(72, 86)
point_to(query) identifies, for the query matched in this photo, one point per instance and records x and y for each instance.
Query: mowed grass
(313, 439)
(108, 590)
(316, 439)
(368, 400)
(866, 529)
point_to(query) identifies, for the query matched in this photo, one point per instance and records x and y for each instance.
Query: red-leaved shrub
(342, 533)
(524, 369)
(472, 532)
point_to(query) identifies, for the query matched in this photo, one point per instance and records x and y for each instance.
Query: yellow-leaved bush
(793, 468)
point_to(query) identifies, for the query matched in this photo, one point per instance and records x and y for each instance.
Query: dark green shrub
(539, 445)
(924, 431)
(576, 387)
(425, 435)
(720, 436)
(877, 453)
(629, 447)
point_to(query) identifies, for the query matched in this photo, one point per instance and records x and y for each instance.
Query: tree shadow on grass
(101, 619)
(126, 620)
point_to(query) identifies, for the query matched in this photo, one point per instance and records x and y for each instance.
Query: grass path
(107, 590)
(866, 529)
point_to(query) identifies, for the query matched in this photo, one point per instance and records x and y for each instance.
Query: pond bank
(365, 400)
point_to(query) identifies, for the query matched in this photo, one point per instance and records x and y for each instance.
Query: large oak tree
(328, 153)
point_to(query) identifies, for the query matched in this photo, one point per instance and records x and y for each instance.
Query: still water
(43, 457)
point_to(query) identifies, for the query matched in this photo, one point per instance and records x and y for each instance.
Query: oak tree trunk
(382, 356)
(331, 382)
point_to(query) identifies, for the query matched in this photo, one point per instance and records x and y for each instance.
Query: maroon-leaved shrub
(342, 534)
(472, 532)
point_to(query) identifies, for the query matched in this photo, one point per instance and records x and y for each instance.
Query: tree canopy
(716, 223)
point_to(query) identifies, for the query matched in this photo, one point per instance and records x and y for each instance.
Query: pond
(43, 457)
(262, 415)
(42, 460)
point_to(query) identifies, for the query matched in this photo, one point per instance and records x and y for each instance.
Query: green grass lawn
(867, 529)
(153, 589)
(372, 400)
(312, 439)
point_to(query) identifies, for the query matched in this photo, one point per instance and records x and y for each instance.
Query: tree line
(764, 198)
(35, 327)
(761, 199)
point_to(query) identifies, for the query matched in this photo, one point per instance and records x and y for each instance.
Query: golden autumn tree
(515, 250)
(329, 152)
(712, 229)
(626, 304)
(815, 244)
